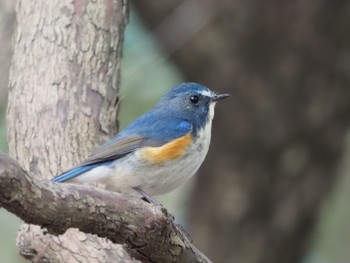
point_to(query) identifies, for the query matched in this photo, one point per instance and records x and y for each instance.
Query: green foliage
(3, 143)
(145, 73)
(332, 235)
(9, 223)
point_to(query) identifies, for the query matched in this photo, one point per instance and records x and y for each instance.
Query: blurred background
(276, 183)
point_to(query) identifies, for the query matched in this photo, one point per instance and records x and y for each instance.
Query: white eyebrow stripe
(207, 93)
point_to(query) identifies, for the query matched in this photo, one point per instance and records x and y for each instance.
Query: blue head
(185, 106)
(190, 101)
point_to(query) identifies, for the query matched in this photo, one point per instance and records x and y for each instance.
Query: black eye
(194, 99)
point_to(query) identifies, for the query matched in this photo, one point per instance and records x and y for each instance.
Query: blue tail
(76, 172)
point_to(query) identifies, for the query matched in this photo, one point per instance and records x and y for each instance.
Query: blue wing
(145, 131)
(76, 171)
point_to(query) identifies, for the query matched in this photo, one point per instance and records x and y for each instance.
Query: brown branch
(147, 232)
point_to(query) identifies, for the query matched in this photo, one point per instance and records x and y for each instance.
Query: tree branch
(147, 231)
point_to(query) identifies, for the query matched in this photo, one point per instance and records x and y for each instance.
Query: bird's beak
(216, 97)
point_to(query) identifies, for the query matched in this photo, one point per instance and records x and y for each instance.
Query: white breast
(164, 179)
(132, 171)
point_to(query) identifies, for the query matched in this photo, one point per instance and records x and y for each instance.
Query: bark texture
(275, 148)
(147, 231)
(63, 103)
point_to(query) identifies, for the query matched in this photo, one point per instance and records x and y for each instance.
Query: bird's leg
(146, 197)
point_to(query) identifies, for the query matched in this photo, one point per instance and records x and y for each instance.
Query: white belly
(163, 178)
(132, 171)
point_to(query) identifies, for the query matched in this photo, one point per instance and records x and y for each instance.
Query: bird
(157, 152)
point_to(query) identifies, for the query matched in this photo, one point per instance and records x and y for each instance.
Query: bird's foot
(147, 198)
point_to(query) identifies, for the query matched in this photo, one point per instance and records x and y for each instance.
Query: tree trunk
(275, 148)
(63, 103)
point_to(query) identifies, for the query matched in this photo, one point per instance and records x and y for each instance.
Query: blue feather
(77, 171)
(173, 117)
(157, 127)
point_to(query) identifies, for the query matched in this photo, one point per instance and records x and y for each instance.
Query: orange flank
(169, 151)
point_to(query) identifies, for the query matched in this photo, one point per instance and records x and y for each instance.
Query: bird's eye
(194, 99)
